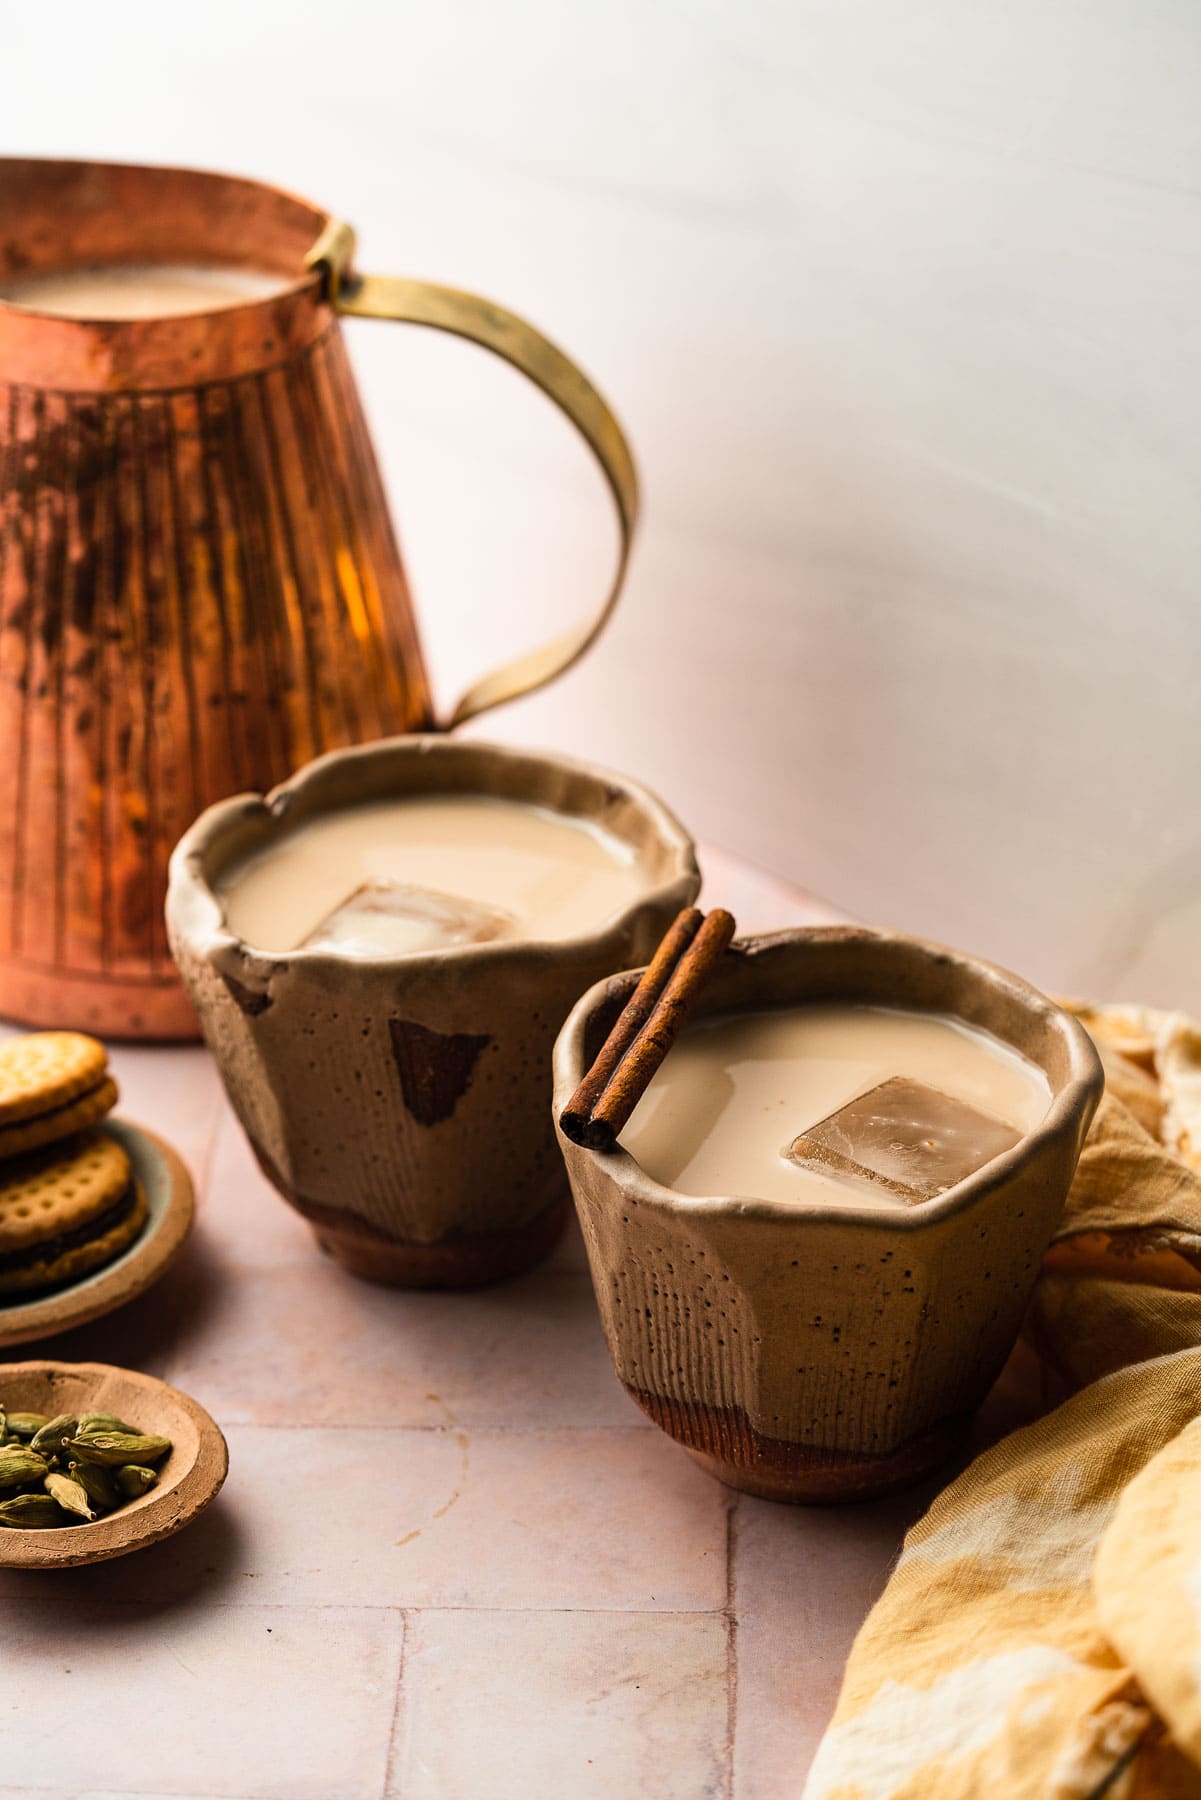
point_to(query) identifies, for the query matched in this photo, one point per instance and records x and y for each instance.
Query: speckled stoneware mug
(402, 1103)
(815, 1353)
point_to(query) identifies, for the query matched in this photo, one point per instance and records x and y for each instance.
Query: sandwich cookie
(52, 1084)
(65, 1212)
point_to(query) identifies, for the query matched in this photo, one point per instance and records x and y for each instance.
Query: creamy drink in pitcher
(833, 1103)
(392, 877)
(137, 290)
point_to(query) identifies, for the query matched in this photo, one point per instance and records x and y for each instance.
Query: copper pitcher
(200, 588)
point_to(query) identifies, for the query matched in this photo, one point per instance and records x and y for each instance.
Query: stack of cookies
(69, 1203)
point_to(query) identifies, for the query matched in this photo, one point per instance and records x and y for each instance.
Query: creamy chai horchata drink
(392, 877)
(137, 290)
(833, 1102)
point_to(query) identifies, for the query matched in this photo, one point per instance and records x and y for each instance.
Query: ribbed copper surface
(199, 590)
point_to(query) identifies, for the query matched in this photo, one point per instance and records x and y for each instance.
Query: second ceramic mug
(402, 1104)
(808, 1351)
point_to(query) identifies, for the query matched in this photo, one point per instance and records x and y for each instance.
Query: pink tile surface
(438, 1518)
(176, 1093)
(582, 1611)
(803, 1579)
(591, 1706)
(245, 1216)
(198, 1700)
(525, 1354)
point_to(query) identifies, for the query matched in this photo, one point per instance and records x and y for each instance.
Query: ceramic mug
(815, 1352)
(401, 1104)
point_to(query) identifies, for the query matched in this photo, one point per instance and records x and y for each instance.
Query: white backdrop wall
(899, 301)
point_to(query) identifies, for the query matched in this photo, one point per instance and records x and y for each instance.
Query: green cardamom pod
(70, 1495)
(97, 1484)
(31, 1512)
(134, 1481)
(93, 1422)
(49, 1437)
(19, 1465)
(26, 1424)
(113, 1448)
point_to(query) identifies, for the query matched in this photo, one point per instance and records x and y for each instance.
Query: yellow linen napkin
(1040, 1637)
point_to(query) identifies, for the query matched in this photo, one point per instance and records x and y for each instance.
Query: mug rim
(194, 914)
(1072, 1106)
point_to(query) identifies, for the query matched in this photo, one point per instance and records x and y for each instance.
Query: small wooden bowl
(168, 1189)
(190, 1478)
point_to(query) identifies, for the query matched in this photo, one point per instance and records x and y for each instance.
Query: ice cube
(911, 1139)
(383, 917)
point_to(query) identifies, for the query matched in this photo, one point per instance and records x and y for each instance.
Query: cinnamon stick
(630, 1021)
(646, 1029)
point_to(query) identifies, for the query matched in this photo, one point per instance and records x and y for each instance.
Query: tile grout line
(155, 1793)
(112, 1604)
(480, 1431)
(397, 1704)
(730, 1616)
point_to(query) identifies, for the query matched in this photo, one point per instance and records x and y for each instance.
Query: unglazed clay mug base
(818, 1352)
(402, 1104)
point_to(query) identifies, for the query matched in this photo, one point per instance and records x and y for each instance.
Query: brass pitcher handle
(469, 316)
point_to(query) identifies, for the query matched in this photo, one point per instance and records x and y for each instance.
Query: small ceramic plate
(189, 1479)
(168, 1188)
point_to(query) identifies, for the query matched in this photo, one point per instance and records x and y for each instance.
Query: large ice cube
(912, 1140)
(383, 917)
